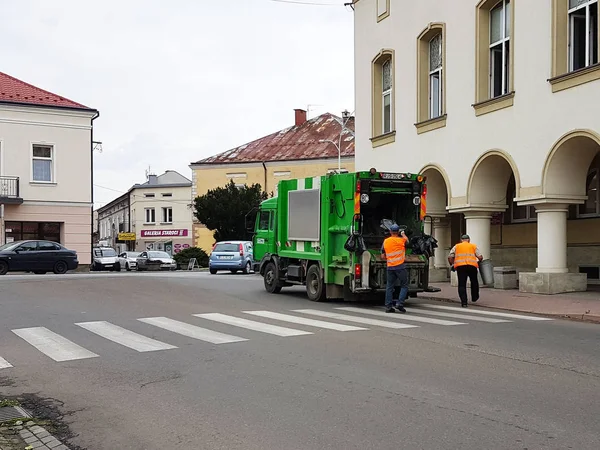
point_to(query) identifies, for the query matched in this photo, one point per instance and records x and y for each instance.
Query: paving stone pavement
(28, 436)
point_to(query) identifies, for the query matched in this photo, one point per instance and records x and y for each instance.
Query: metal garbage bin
(487, 272)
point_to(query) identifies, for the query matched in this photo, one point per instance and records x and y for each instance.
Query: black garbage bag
(423, 245)
(355, 244)
(350, 244)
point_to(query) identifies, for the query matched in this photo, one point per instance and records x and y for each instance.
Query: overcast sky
(176, 81)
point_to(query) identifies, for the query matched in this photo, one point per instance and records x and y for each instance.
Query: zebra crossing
(337, 319)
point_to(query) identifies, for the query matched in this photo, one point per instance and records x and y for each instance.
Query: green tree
(224, 209)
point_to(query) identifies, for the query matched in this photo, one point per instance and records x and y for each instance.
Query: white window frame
(384, 94)
(503, 42)
(597, 213)
(52, 160)
(165, 214)
(152, 212)
(432, 74)
(590, 33)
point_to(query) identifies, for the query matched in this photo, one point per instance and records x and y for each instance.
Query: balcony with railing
(9, 191)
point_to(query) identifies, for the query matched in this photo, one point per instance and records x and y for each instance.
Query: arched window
(591, 207)
(383, 99)
(517, 213)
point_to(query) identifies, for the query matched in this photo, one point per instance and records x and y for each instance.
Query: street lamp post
(339, 152)
(338, 145)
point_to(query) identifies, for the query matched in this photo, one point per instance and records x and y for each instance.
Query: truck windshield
(105, 252)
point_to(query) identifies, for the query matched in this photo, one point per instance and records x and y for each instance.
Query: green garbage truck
(326, 233)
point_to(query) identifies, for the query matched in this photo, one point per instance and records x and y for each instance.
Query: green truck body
(300, 235)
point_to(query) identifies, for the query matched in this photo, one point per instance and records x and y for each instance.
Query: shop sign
(164, 233)
(126, 237)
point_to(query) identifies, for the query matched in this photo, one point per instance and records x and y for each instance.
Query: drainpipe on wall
(2, 224)
(96, 115)
(265, 187)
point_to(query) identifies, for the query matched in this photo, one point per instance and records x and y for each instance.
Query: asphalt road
(473, 381)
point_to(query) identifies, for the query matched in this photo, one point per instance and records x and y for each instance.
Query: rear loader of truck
(326, 233)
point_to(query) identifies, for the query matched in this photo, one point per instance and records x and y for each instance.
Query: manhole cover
(12, 412)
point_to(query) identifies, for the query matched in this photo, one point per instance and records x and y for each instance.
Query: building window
(43, 163)
(167, 215)
(499, 49)
(149, 195)
(23, 231)
(237, 175)
(282, 173)
(516, 212)
(383, 9)
(167, 194)
(583, 33)
(430, 78)
(150, 215)
(591, 207)
(386, 95)
(575, 43)
(383, 98)
(494, 56)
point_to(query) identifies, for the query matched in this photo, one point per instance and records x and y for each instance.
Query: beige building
(496, 102)
(45, 167)
(161, 213)
(307, 149)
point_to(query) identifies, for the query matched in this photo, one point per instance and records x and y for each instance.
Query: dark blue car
(37, 256)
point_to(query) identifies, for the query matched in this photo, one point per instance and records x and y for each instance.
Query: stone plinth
(438, 275)
(552, 283)
(505, 278)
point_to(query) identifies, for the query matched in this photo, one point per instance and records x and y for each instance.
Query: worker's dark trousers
(464, 273)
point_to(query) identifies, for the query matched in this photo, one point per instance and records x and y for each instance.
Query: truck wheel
(315, 288)
(271, 279)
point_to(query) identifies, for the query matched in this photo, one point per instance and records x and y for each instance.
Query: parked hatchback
(231, 255)
(38, 257)
(155, 260)
(128, 260)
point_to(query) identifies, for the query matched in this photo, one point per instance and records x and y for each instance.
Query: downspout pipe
(96, 115)
(265, 167)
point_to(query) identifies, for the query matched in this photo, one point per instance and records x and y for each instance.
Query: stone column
(479, 230)
(552, 238)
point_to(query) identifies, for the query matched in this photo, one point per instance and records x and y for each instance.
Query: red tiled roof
(13, 90)
(294, 143)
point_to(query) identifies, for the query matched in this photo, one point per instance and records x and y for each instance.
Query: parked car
(105, 258)
(38, 257)
(155, 260)
(128, 260)
(232, 255)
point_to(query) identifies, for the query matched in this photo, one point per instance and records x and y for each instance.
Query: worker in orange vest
(393, 251)
(464, 258)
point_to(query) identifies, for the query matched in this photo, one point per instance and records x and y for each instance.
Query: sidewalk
(578, 305)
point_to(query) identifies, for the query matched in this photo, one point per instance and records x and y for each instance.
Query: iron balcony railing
(9, 187)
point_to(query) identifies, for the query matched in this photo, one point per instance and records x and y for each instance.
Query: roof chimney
(300, 116)
(152, 179)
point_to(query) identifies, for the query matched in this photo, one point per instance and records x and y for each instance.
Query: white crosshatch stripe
(355, 319)
(252, 325)
(487, 313)
(4, 364)
(53, 345)
(409, 317)
(305, 321)
(458, 316)
(192, 331)
(125, 337)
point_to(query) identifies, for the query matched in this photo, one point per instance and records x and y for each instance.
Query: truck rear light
(357, 270)
(358, 186)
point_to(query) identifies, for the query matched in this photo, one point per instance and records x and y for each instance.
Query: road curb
(590, 318)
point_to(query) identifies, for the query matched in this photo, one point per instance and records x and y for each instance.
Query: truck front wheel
(315, 288)
(271, 278)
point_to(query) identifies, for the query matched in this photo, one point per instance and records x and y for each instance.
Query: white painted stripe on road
(125, 337)
(4, 364)
(487, 313)
(252, 325)
(410, 317)
(348, 318)
(305, 321)
(53, 345)
(192, 331)
(458, 316)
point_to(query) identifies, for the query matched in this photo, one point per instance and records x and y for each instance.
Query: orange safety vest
(394, 248)
(465, 255)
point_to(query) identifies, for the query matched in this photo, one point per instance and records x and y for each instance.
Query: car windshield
(227, 247)
(105, 252)
(9, 246)
(132, 254)
(158, 255)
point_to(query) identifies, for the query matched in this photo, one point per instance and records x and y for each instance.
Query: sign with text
(126, 236)
(164, 233)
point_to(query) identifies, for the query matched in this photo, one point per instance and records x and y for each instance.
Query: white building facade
(45, 167)
(114, 223)
(496, 102)
(161, 213)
